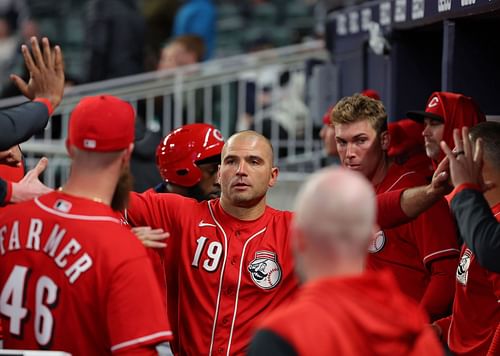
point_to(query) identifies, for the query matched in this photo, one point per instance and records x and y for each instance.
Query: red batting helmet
(178, 152)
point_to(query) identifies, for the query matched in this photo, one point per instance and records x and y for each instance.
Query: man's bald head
(250, 139)
(336, 207)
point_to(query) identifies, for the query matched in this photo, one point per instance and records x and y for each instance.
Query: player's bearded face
(122, 190)
(433, 134)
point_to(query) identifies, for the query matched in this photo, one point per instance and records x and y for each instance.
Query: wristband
(47, 104)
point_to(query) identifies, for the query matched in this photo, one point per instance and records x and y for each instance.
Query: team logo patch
(62, 205)
(265, 270)
(463, 267)
(377, 243)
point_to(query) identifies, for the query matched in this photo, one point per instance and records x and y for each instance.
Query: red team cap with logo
(433, 110)
(102, 123)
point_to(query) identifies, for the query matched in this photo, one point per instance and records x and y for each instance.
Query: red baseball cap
(101, 123)
(371, 94)
(433, 110)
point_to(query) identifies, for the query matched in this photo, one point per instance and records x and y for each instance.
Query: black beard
(122, 190)
(196, 193)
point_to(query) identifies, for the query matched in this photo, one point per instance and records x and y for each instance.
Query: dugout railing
(272, 91)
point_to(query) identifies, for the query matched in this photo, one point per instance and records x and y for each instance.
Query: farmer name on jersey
(10, 240)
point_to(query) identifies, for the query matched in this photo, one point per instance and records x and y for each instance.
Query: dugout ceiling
(428, 45)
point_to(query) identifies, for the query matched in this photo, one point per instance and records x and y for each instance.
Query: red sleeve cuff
(461, 187)
(47, 104)
(8, 196)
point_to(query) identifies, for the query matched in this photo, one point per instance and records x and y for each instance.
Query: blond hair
(358, 107)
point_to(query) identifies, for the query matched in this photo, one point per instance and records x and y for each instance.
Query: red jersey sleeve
(155, 210)
(389, 209)
(133, 324)
(436, 235)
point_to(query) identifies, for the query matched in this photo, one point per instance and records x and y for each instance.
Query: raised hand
(46, 70)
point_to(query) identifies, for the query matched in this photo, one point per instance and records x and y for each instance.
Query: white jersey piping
(75, 216)
(140, 340)
(238, 288)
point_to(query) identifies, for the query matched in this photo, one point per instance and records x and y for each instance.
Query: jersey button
(229, 291)
(234, 260)
(225, 320)
(220, 350)
(237, 232)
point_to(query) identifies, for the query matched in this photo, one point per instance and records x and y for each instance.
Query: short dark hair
(489, 133)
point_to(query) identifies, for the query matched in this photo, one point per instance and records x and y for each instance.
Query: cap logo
(434, 102)
(88, 143)
(218, 135)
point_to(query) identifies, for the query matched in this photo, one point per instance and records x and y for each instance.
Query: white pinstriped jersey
(223, 274)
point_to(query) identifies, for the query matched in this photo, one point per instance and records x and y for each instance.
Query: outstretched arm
(401, 206)
(45, 87)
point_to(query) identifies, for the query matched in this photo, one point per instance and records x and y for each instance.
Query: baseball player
(422, 253)
(71, 277)
(341, 309)
(444, 112)
(231, 260)
(475, 319)
(188, 159)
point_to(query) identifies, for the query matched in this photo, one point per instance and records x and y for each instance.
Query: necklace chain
(97, 200)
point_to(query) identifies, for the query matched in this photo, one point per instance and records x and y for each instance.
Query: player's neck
(492, 196)
(100, 187)
(381, 171)
(247, 213)
(336, 270)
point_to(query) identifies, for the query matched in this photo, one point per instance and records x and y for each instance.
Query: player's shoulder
(278, 214)
(164, 198)
(399, 176)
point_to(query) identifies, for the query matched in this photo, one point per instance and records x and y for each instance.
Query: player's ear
(69, 148)
(385, 140)
(128, 152)
(274, 176)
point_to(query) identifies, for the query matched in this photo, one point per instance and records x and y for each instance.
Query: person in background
(445, 112)
(182, 50)
(471, 328)
(341, 308)
(197, 17)
(407, 146)
(115, 39)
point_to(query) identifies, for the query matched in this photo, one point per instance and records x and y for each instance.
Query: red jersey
(222, 273)
(409, 249)
(73, 279)
(360, 315)
(476, 310)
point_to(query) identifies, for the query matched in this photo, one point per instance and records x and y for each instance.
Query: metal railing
(264, 91)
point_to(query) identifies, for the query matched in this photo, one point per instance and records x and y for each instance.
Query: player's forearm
(416, 200)
(440, 291)
(478, 227)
